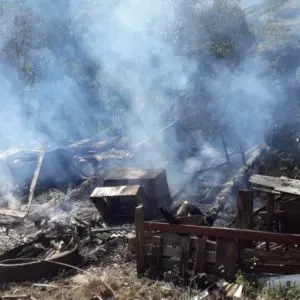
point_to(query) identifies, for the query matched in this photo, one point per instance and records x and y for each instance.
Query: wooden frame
(198, 249)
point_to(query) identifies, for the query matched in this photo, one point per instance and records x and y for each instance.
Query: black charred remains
(124, 189)
(86, 197)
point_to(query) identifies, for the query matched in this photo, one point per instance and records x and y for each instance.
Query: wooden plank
(265, 190)
(191, 220)
(221, 232)
(168, 264)
(227, 252)
(171, 252)
(184, 256)
(22, 214)
(264, 256)
(174, 240)
(245, 209)
(156, 253)
(139, 229)
(115, 191)
(274, 182)
(200, 258)
(13, 213)
(279, 184)
(268, 181)
(36, 177)
(271, 268)
(276, 214)
(270, 210)
(288, 190)
(225, 148)
(269, 216)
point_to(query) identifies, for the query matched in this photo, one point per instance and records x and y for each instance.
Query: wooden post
(269, 217)
(227, 257)
(270, 211)
(245, 209)
(225, 148)
(243, 154)
(156, 254)
(200, 259)
(139, 231)
(185, 254)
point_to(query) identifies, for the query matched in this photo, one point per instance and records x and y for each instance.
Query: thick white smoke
(134, 65)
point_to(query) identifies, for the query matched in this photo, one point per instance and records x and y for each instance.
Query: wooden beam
(270, 211)
(226, 260)
(156, 253)
(265, 190)
(184, 256)
(279, 184)
(225, 148)
(241, 234)
(245, 209)
(140, 244)
(271, 268)
(200, 259)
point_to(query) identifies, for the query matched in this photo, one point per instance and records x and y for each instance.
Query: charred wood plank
(185, 255)
(227, 252)
(200, 258)
(245, 209)
(271, 268)
(278, 184)
(221, 232)
(156, 253)
(140, 244)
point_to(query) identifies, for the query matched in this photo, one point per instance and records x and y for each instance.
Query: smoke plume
(81, 69)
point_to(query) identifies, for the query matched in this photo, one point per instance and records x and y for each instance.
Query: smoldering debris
(48, 249)
(65, 215)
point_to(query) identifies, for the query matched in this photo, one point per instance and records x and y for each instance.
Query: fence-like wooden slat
(175, 252)
(185, 255)
(200, 259)
(174, 240)
(245, 209)
(191, 249)
(156, 252)
(220, 232)
(227, 256)
(140, 243)
(264, 256)
(270, 268)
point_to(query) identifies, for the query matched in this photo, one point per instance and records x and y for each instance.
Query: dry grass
(121, 278)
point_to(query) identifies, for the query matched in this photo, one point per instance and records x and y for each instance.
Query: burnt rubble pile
(44, 253)
(83, 209)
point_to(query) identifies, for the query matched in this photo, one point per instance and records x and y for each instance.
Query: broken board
(282, 185)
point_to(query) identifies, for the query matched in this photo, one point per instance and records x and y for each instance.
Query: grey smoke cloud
(135, 65)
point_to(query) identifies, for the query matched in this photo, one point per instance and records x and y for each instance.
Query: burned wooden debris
(117, 204)
(175, 237)
(60, 249)
(193, 250)
(281, 210)
(124, 189)
(153, 182)
(40, 259)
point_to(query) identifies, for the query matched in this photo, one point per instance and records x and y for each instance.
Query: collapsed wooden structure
(282, 208)
(193, 249)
